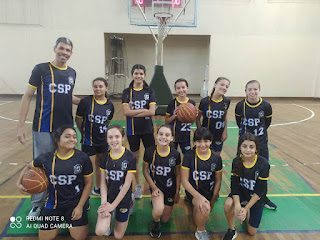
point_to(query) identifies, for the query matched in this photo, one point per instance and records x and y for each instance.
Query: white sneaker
(138, 191)
(131, 210)
(34, 212)
(202, 235)
(108, 232)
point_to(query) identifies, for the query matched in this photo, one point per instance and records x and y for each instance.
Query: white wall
(276, 43)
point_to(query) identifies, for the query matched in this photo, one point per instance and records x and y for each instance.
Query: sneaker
(138, 191)
(155, 231)
(270, 205)
(202, 235)
(95, 191)
(34, 213)
(108, 232)
(230, 235)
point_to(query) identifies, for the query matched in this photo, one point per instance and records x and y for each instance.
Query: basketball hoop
(163, 19)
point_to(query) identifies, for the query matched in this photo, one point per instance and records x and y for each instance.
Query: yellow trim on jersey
(145, 162)
(78, 116)
(219, 171)
(65, 158)
(203, 159)
(101, 169)
(152, 103)
(91, 120)
(54, 185)
(268, 116)
(254, 162)
(52, 97)
(195, 169)
(153, 160)
(106, 100)
(125, 103)
(41, 108)
(238, 115)
(261, 178)
(132, 122)
(233, 174)
(137, 89)
(168, 114)
(88, 175)
(161, 154)
(217, 100)
(182, 102)
(200, 110)
(32, 164)
(244, 115)
(174, 122)
(65, 68)
(132, 171)
(253, 106)
(185, 167)
(32, 86)
(121, 154)
(209, 107)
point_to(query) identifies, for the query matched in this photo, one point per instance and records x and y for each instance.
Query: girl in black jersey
(161, 170)
(70, 176)
(201, 174)
(249, 177)
(254, 114)
(93, 116)
(181, 130)
(138, 105)
(213, 109)
(117, 168)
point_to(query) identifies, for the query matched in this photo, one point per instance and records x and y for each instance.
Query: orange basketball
(187, 113)
(35, 180)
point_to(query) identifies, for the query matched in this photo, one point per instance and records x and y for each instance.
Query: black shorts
(255, 213)
(93, 150)
(190, 197)
(134, 141)
(168, 197)
(53, 218)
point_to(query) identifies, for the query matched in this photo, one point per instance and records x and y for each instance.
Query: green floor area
(294, 213)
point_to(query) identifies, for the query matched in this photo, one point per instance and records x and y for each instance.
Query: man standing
(54, 82)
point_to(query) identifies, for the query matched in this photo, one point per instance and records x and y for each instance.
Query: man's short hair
(64, 40)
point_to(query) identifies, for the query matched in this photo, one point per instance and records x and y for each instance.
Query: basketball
(35, 180)
(187, 113)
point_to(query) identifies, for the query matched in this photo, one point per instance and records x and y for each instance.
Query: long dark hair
(58, 133)
(213, 89)
(102, 80)
(252, 81)
(138, 66)
(180, 80)
(202, 133)
(238, 160)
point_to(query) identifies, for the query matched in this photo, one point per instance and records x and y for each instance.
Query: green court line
(293, 214)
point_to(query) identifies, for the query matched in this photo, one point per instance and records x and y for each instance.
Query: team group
(70, 171)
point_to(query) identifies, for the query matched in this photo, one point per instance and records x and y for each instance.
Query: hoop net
(163, 19)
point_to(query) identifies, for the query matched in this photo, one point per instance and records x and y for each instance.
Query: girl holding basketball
(201, 174)
(94, 113)
(181, 130)
(249, 176)
(161, 170)
(254, 114)
(71, 176)
(138, 105)
(213, 109)
(118, 167)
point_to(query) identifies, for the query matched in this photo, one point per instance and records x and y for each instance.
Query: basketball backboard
(183, 12)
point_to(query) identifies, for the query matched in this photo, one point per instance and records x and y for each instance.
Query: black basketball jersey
(54, 96)
(181, 131)
(116, 170)
(202, 171)
(95, 117)
(163, 168)
(214, 115)
(252, 118)
(66, 177)
(139, 99)
(249, 176)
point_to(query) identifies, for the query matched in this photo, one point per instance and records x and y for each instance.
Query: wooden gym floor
(294, 181)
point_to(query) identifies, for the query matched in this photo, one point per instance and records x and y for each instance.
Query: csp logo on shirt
(172, 162)
(108, 112)
(256, 175)
(77, 169)
(213, 167)
(124, 165)
(261, 114)
(146, 96)
(71, 80)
